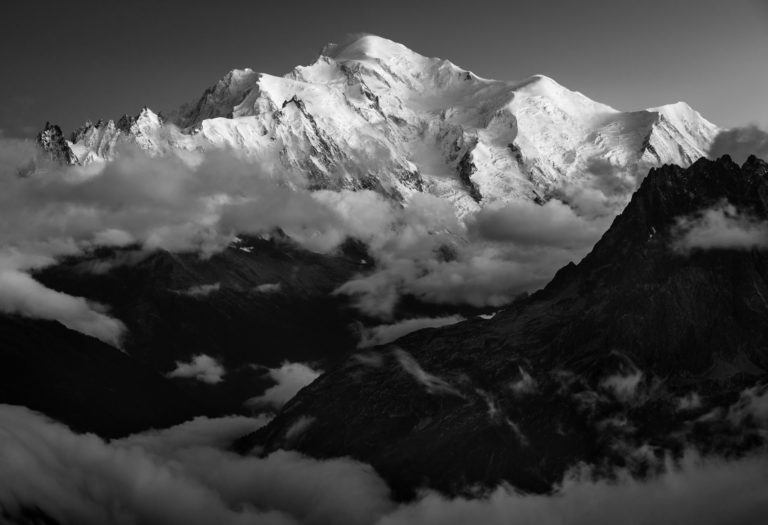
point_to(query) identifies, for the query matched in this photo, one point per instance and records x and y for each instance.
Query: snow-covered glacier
(372, 114)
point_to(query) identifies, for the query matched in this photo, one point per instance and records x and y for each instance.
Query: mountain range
(372, 114)
(637, 351)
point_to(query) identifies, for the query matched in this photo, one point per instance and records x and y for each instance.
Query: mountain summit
(370, 113)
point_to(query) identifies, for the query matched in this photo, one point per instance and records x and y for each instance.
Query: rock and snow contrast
(655, 342)
(372, 114)
(450, 196)
(381, 289)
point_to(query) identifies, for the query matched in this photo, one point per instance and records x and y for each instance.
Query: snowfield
(371, 113)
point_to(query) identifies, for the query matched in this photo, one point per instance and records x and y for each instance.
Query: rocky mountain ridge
(636, 354)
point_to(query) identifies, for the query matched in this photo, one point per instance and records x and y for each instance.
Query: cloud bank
(185, 475)
(705, 492)
(721, 227)
(201, 201)
(526, 223)
(491, 256)
(179, 476)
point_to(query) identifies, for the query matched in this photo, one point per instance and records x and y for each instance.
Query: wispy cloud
(21, 294)
(289, 379)
(268, 288)
(721, 227)
(383, 334)
(202, 290)
(202, 367)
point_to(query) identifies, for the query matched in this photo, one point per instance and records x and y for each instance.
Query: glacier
(372, 114)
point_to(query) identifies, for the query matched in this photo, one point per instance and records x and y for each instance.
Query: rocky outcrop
(466, 169)
(218, 100)
(52, 141)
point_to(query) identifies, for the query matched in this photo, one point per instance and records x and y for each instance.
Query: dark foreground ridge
(637, 352)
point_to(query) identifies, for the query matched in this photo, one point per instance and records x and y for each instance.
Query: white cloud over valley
(289, 378)
(721, 227)
(202, 367)
(200, 202)
(186, 475)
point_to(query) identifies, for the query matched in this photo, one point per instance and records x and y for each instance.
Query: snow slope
(371, 113)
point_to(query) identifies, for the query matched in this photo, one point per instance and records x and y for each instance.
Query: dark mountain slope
(640, 350)
(83, 382)
(260, 302)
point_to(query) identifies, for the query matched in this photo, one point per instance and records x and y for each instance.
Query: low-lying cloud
(383, 334)
(268, 288)
(186, 475)
(178, 476)
(21, 294)
(201, 201)
(721, 227)
(289, 378)
(526, 223)
(196, 203)
(201, 367)
(705, 492)
(493, 255)
(202, 290)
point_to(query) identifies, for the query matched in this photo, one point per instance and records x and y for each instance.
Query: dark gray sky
(68, 61)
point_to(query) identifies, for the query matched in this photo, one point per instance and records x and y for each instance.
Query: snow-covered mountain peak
(148, 117)
(542, 91)
(678, 112)
(539, 84)
(218, 100)
(369, 50)
(371, 113)
(388, 64)
(677, 133)
(366, 46)
(237, 77)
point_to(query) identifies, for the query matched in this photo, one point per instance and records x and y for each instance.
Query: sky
(67, 62)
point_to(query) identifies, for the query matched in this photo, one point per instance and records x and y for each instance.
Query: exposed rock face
(96, 142)
(218, 100)
(371, 109)
(52, 141)
(638, 351)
